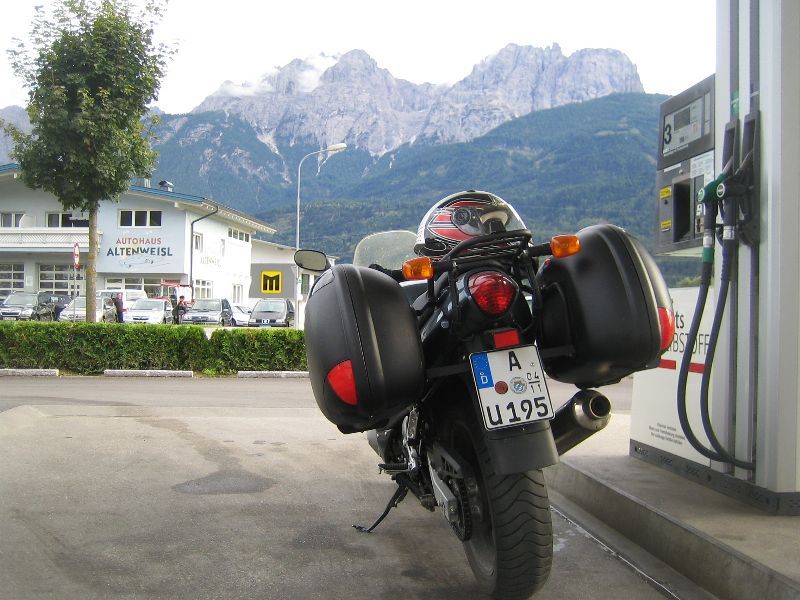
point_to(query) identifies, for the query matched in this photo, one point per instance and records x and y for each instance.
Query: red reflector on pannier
(343, 382)
(666, 319)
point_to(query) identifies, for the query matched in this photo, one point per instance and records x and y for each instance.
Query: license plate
(511, 387)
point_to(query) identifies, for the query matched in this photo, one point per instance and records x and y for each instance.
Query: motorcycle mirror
(311, 260)
(564, 245)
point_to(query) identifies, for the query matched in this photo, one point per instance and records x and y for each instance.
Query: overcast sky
(672, 42)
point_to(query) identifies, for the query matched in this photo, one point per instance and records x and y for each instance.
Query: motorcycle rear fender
(519, 449)
(516, 449)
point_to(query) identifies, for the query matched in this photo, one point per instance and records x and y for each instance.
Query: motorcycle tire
(510, 550)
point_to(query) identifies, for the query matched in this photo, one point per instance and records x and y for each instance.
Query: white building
(151, 237)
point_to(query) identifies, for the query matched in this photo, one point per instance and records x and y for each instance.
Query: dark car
(274, 312)
(208, 311)
(30, 306)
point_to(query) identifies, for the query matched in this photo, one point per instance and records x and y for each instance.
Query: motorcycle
(444, 361)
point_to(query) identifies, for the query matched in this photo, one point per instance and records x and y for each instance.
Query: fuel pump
(724, 408)
(685, 166)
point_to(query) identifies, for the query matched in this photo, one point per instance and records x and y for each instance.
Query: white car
(240, 316)
(149, 310)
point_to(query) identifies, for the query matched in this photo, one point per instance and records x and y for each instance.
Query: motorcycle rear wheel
(511, 547)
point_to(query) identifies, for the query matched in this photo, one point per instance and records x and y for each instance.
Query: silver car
(149, 310)
(75, 311)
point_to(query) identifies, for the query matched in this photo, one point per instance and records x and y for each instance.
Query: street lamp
(329, 150)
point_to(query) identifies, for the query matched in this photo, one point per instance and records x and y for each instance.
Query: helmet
(463, 216)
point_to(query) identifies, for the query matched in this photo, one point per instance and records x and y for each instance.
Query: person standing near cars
(118, 306)
(180, 308)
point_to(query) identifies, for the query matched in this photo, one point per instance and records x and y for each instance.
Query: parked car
(128, 296)
(274, 312)
(59, 301)
(240, 316)
(76, 310)
(24, 306)
(209, 311)
(149, 310)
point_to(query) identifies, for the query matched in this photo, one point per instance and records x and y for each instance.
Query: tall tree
(91, 68)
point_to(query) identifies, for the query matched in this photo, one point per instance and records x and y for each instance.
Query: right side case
(602, 309)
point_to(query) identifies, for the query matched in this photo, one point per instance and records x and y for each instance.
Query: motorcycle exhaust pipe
(585, 414)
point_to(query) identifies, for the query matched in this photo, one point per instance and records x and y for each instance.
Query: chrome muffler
(585, 414)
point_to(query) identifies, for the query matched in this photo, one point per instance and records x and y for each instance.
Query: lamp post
(329, 150)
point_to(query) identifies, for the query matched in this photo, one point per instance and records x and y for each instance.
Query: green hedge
(90, 348)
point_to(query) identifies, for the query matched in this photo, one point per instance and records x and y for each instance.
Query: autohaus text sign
(142, 253)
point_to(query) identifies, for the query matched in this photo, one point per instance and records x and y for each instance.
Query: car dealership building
(149, 238)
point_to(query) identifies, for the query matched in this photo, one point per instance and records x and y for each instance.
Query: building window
(202, 289)
(152, 287)
(305, 282)
(238, 235)
(124, 283)
(140, 218)
(12, 278)
(197, 241)
(10, 219)
(238, 293)
(65, 219)
(62, 279)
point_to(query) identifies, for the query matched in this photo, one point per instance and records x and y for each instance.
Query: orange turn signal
(564, 245)
(418, 268)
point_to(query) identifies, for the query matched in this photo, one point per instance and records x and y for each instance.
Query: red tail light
(343, 382)
(493, 292)
(666, 319)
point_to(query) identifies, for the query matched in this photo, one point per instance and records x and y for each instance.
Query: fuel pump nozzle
(718, 197)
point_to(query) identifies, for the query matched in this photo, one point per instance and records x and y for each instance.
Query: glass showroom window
(10, 219)
(12, 277)
(202, 288)
(152, 287)
(140, 218)
(61, 279)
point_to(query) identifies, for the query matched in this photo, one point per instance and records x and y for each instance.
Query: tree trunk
(91, 268)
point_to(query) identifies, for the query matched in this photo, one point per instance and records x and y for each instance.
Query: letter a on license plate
(511, 387)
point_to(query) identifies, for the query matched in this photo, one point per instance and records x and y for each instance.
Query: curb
(28, 372)
(720, 569)
(146, 373)
(272, 374)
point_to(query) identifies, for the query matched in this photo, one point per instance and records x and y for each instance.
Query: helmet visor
(479, 221)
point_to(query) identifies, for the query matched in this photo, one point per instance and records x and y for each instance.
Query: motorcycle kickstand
(396, 499)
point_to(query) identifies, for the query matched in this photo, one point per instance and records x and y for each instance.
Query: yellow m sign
(270, 282)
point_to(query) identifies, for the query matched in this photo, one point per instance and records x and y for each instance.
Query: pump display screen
(685, 125)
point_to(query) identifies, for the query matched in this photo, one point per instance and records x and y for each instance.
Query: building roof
(187, 201)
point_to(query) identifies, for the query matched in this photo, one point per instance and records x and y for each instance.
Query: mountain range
(569, 140)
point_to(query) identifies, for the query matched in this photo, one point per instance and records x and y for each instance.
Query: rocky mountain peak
(351, 98)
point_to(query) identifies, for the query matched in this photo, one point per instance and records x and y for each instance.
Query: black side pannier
(603, 310)
(363, 347)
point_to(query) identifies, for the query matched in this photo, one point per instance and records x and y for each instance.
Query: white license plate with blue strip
(511, 387)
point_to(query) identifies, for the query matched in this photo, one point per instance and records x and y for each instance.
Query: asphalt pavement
(238, 488)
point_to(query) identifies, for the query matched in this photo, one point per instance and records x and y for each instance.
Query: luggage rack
(495, 245)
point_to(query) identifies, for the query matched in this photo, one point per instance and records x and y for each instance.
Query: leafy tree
(91, 69)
